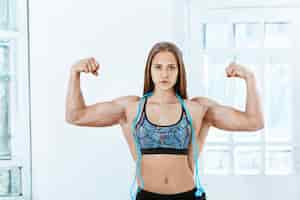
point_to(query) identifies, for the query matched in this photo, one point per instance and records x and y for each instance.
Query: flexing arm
(101, 114)
(229, 118)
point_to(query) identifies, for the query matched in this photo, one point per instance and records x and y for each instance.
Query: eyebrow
(167, 64)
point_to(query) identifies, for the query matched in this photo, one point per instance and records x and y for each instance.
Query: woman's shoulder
(130, 102)
(126, 101)
(195, 105)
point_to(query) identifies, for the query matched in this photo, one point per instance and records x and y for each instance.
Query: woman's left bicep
(225, 117)
(230, 118)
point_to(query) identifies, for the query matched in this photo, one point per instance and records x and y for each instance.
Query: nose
(164, 73)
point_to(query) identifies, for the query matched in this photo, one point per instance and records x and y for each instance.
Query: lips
(164, 81)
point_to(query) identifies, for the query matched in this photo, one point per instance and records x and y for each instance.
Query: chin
(165, 88)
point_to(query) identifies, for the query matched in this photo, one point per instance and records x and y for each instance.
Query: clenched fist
(236, 70)
(87, 65)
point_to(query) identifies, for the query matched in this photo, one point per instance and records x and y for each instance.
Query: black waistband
(187, 195)
(164, 151)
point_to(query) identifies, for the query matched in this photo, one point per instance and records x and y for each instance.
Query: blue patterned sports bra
(163, 139)
(150, 138)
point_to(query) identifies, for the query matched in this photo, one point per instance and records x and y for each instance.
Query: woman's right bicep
(107, 113)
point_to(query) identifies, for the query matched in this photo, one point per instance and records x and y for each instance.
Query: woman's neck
(164, 97)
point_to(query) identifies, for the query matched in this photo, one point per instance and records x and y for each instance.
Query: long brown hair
(180, 86)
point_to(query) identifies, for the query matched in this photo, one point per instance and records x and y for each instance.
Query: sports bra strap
(200, 189)
(138, 150)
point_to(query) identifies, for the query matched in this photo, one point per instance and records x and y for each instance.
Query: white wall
(87, 163)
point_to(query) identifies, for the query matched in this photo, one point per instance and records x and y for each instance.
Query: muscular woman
(165, 130)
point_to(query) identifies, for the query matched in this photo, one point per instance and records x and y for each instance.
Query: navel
(166, 181)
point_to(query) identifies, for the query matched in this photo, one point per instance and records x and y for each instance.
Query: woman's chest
(164, 119)
(195, 113)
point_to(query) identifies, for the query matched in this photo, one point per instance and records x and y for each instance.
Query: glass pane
(4, 106)
(7, 14)
(219, 36)
(216, 160)
(4, 124)
(219, 89)
(248, 35)
(247, 160)
(278, 100)
(4, 46)
(279, 160)
(277, 35)
(3, 13)
(10, 182)
(217, 135)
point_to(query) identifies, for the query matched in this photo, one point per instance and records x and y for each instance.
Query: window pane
(4, 122)
(10, 181)
(4, 106)
(219, 36)
(7, 14)
(279, 160)
(217, 135)
(278, 100)
(247, 160)
(219, 89)
(216, 160)
(3, 13)
(4, 46)
(277, 35)
(248, 35)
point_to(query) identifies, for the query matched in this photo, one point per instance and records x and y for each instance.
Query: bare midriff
(166, 173)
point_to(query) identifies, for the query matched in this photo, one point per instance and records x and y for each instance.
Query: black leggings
(188, 195)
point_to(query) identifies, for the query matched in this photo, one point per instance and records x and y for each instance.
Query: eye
(157, 66)
(172, 67)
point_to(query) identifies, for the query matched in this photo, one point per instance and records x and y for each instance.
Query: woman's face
(164, 70)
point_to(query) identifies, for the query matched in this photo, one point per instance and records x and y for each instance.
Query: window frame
(17, 33)
(200, 15)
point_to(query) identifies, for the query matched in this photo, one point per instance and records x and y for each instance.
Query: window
(261, 40)
(15, 159)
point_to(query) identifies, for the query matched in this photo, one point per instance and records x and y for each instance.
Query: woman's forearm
(253, 102)
(74, 99)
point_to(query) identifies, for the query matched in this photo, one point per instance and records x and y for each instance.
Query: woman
(164, 129)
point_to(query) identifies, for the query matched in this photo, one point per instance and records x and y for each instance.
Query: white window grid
(14, 31)
(196, 23)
